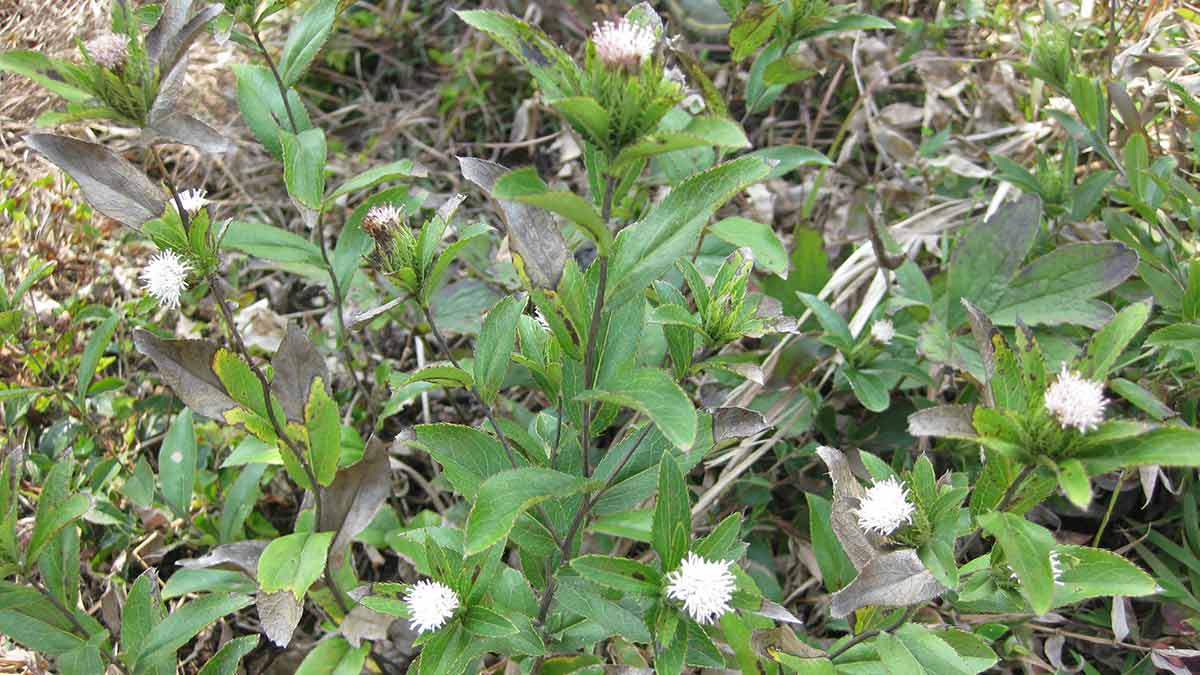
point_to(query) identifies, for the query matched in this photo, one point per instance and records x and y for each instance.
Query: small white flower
(885, 507)
(165, 278)
(430, 604)
(623, 42)
(192, 200)
(108, 49)
(704, 587)
(882, 331)
(383, 217)
(1075, 401)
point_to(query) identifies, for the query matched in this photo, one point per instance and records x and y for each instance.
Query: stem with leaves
(77, 627)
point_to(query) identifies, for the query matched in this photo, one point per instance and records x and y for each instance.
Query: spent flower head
(885, 507)
(882, 331)
(165, 278)
(108, 49)
(430, 605)
(192, 200)
(704, 587)
(381, 220)
(623, 43)
(1075, 401)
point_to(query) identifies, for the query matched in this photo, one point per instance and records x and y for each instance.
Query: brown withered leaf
(733, 423)
(893, 579)
(943, 421)
(861, 547)
(533, 235)
(279, 613)
(355, 496)
(364, 623)
(240, 555)
(296, 364)
(186, 367)
(110, 184)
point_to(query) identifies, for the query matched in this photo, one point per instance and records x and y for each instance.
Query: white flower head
(193, 200)
(383, 217)
(623, 43)
(165, 278)
(430, 604)
(704, 587)
(882, 331)
(109, 49)
(885, 507)
(1075, 401)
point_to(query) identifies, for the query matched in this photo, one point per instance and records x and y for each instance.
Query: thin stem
(183, 214)
(589, 362)
(283, 93)
(339, 312)
(1112, 503)
(867, 635)
(1011, 494)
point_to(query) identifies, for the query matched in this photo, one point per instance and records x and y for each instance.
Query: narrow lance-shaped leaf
(177, 464)
(672, 514)
(494, 347)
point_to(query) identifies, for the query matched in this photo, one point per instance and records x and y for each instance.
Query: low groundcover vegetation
(606, 407)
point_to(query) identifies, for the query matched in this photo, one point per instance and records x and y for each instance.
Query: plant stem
(183, 214)
(283, 92)
(1112, 503)
(867, 635)
(589, 362)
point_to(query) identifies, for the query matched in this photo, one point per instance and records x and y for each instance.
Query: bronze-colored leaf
(733, 422)
(186, 367)
(355, 496)
(364, 623)
(943, 421)
(861, 547)
(279, 613)
(183, 128)
(240, 555)
(296, 364)
(533, 235)
(893, 579)
(113, 186)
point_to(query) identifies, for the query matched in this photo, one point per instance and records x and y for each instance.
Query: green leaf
(976, 656)
(494, 347)
(55, 509)
(487, 623)
(442, 375)
(177, 464)
(653, 393)
(934, 655)
(271, 243)
(293, 562)
(577, 596)
(403, 168)
(586, 115)
(263, 109)
(467, 455)
(305, 39)
(43, 70)
(525, 186)
(869, 388)
(304, 165)
(1093, 573)
(1166, 446)
(229, 656)
(619, 574)
(899, 660)
(36, 634)
(186, 621)
(701, 132)
(646, 250)
(324, 428)
(988, 255)
(1141, 398)
(555, 71)
(1073, 480)
(752, 27)
(836, 568)
(803, 665)
(672, 514)
(96, 347)
(335, 656)
(836, 329)
(784, 159)
(1057, 288)
(1178, 336)
(506, 495)
(1108, 343)
(769, 252)
(1026, 548)
(239, 501)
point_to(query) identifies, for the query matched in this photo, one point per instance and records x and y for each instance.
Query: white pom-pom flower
(1075, 401)
(383, 217)
(882, 331)
(165, 278)
(885, 507)
(430, 605)
(704, 587)
(192, 200)
(623, 42)
(109, 50)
